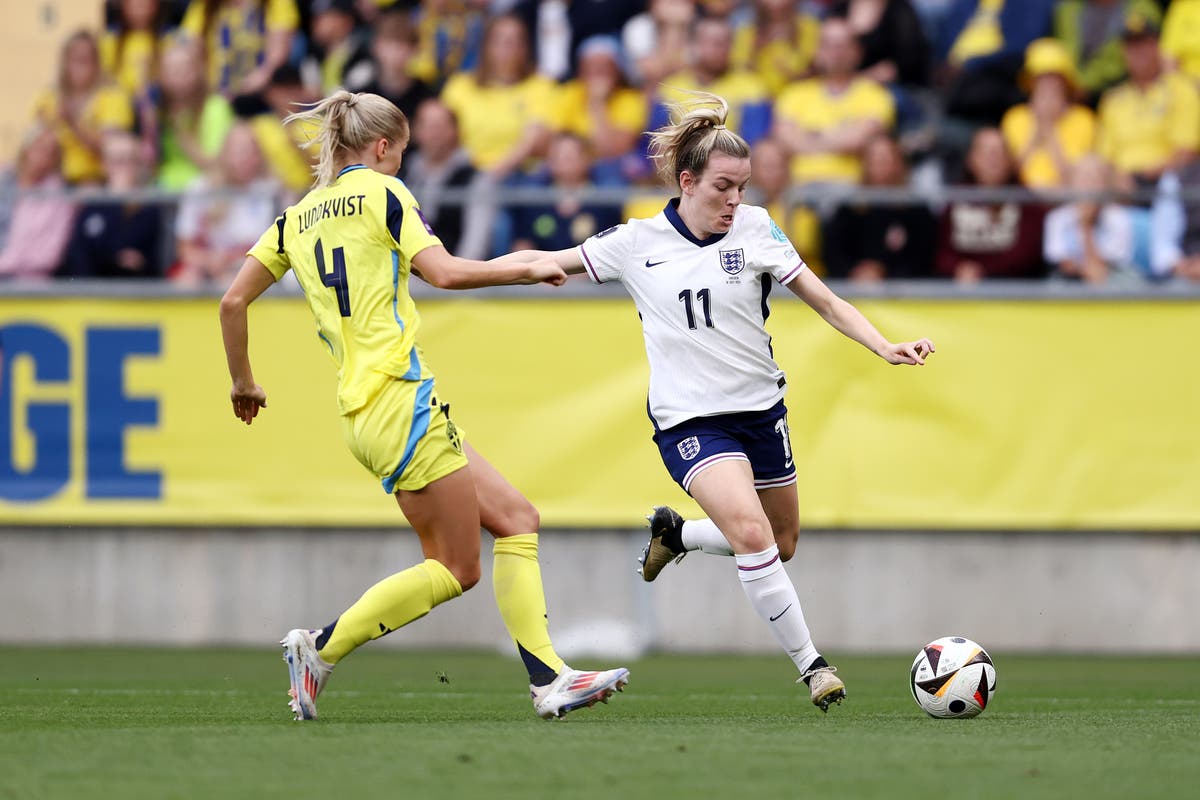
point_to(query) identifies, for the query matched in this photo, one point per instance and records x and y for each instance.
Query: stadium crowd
(1078, 122)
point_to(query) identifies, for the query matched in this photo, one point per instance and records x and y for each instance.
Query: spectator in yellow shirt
(1049, 133)
(129, 50)
(825, 122)
(1150, 123)
(81, 108)
(1181, 37)
(712, 70)
(450, 33)
(245, 40)
(778, 45)
(1091, 32)
(505, 111)
(769, 184)
(289, 150)
(600, 107)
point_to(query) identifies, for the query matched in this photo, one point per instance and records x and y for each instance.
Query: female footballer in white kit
(700, 272)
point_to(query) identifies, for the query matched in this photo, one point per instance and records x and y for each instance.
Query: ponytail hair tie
(719, 127)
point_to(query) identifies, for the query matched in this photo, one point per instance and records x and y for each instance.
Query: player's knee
(786, 542)
(751, 534)
(787, 549)
(519, 516)
(526, 518)
(467, 574)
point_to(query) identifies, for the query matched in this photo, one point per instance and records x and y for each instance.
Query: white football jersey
(703, 304)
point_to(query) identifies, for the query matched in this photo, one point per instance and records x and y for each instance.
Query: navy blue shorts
(760, 437)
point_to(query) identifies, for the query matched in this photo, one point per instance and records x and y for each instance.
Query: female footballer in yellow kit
(352, 243)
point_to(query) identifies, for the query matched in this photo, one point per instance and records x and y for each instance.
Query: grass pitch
(104, 723)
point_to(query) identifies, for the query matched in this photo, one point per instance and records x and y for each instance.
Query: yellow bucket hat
(1048, 57)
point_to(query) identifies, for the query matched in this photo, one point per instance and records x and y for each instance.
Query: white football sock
(773, 596)
(703, 534)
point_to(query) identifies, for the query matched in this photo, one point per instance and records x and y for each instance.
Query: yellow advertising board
(1031, 414)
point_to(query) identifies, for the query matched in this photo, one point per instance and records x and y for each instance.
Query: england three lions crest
(732, 261)
(689, 448)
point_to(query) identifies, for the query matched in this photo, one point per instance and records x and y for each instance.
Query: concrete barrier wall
(861, 590)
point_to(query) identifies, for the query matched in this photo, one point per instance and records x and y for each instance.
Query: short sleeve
(454, 93)
(45, 107)
(541, 100)
(628, 110)
(193, 19)
(406, 224)
(885, 106)
(605, 255)
(269, 250)
(1016, 125)
(282, 15)
(1185, 114)
(779, 257)
(792, 102)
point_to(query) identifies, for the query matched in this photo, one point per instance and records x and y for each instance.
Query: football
(952, 678)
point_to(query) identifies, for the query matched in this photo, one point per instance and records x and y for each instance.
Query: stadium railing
(823, 198)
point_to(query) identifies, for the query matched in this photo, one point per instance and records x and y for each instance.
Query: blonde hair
(698, 131)
(347, 122)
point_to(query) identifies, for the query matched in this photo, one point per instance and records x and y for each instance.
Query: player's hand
(247, 400)
(913, 353)
(546, 270)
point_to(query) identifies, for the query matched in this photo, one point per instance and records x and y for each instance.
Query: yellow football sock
(517, 580)
(390, 604)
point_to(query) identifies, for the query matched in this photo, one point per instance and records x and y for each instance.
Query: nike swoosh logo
(781, 613)
(650, 263)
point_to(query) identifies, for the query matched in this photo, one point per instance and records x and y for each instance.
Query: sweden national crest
(689, 448)
(732, 261)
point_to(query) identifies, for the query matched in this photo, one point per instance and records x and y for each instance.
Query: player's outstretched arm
(850, 321)
(437, 267)
(251, 281)
(569, 260)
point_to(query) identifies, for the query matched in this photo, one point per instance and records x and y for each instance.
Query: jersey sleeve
(605, 255)
(406, 224)
(779, 256)
(269, 249)
(193, 19)
(282, 15)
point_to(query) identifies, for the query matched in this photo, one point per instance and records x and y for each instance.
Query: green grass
(173, 723)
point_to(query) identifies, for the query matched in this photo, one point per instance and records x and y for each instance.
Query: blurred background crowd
(962, 140)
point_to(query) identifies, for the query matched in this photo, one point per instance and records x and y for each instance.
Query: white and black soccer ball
(952, 677)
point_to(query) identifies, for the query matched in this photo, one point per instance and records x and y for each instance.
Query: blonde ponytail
(698, 131)
(346, 123)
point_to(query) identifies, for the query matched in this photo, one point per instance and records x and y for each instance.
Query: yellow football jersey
(237, 36)
(351, 246)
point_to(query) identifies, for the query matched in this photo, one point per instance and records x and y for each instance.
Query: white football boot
(308, 672)
(574, 689)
